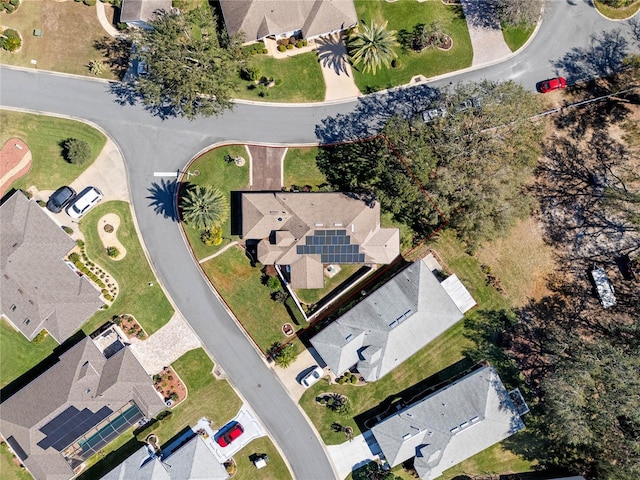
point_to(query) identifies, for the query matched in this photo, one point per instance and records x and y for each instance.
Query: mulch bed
(169, 385)
(11, 154)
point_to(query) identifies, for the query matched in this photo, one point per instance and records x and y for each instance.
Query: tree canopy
(204, 207)
(191, 66)
(373, 46)
(474, 163)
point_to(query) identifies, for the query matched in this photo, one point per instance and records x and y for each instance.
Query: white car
(86, 199)
(312, 377)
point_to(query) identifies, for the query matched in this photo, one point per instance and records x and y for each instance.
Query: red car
(553, 84)
(230, 435)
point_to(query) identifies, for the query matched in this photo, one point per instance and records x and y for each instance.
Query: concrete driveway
(353, 454)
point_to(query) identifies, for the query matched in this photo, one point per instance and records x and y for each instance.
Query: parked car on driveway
(312, 377)
(434, 113)
(86, 199)
(230, 435)
(60, 199)
(553, 84)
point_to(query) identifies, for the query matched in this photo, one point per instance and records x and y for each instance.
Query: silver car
(312, 377)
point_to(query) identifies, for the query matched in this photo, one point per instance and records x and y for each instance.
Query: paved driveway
(353, 454)
(266, 167)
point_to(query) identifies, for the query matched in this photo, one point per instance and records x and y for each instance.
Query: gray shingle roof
(82, 379)
(142, 10)
(261, 18)
(192, 461)
(390, 325)
(282, 221)
(450, 425)
(35, 283)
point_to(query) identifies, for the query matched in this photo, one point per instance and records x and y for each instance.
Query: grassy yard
(515, 37)
(133, 273)
(240, 285)
(227, 177)
(493, 460)
(8, 467)
(313, 295)
(70, 30)
(300, 76)
(44, 135)
(300, 168)
(405, 14)
(276, 469)
(18, 355)
(617, 13)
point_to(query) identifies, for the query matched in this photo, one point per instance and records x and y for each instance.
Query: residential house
(258, 19)
(305, 231)
(450, 425)
(75, 408)
(39, 290)
(394, 322)
(193, 460)
(139, 13)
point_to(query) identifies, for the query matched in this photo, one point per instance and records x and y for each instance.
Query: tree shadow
(163, 198)
(481, 14)
(118, 53)
(373, 111)
(332, 53)
(602, 58)
(126, 93)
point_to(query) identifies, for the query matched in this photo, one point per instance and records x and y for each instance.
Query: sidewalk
(102, 18)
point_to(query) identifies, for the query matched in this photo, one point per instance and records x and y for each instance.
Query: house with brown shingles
(39, 291)
(258, 19)
(303, 232)
(139, 13)
(75, 408)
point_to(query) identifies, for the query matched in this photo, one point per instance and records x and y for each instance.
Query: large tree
(204, 207)
(191, 65)
(518, 12)
(372, 46)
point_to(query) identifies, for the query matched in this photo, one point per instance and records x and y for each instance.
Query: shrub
(212, 237)
(304, 43)
(299, 44)
(76, 151)
(73, 257)
(121, 26)
(283, 355)
(289, 47)
(11, 40)
(265, 51)
(78, 264)
(250, 74)
(80, 243)
(15, 3)
(68, 231)
(9, 8)
(281, 48)
(113, 252)
(40, 337)
(273, 283)
(396, 63)
(89, 3)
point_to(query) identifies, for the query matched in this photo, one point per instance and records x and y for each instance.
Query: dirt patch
(15, 162)
(107, 231)
(521, 261)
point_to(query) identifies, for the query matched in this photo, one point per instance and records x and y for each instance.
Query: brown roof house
(258, 19)
(394, 322)
(39, 290)
(305, 231)
(450, 425)
(138, 13)
(75, 408)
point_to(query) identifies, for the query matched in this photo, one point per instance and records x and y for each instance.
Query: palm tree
(204, 207)
(372, 46)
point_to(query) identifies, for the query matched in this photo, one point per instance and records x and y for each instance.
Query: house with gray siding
(38, 289)
(394, 322)
(75, 408)
(450, 425)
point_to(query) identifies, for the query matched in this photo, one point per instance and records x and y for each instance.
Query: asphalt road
(564, 45)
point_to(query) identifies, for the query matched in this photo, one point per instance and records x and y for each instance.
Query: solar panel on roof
(69, 425)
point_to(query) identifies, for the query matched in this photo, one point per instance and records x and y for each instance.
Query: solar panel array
(334, 246)
(68, 425)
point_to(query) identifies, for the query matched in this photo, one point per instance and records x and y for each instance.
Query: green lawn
(405, 14)
(147, 303)
(276, 469)
(300, 168)
(8, 467)
(492, 461)
(515, 37)
(44, 135)
(70, 30)
(227, 177)
(240, 286)
(18, 355)
(300, 76)
(313, 295)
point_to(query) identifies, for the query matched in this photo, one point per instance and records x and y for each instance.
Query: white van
(86, 199)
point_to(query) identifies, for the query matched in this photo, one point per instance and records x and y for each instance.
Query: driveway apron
(484, 29)
(266, 167)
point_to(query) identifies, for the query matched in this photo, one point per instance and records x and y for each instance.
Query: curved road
(562, 46)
